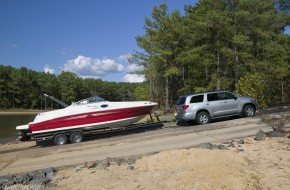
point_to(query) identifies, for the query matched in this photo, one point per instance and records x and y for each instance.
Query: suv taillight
(184, 107)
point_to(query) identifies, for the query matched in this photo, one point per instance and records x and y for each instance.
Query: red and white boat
(86, 115)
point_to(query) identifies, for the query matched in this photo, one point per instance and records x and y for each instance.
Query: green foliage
(253, 85)
(141, 92)
(68, 85)
(23, 88)
(171, 71)
(215, 45)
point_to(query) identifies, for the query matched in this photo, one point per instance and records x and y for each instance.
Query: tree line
(236, 45)
(24, 88)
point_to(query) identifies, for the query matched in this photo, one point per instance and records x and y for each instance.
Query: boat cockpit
(90, 100)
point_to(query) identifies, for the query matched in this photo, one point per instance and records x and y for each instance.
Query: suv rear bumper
(185, 116)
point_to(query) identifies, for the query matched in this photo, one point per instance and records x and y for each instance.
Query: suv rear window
(197, 99)
(181, 100)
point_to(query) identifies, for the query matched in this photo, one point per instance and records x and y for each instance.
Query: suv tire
(249, 111)
(202, 118)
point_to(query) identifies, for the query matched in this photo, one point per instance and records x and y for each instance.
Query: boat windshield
(94, 99)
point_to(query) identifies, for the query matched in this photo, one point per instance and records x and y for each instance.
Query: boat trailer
(77, 135)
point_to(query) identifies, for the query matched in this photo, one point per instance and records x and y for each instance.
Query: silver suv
(203, 107)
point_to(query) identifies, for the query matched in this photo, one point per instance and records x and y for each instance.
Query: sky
(92, 38)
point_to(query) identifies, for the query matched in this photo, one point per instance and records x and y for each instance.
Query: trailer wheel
(76, 137)
(60, 139)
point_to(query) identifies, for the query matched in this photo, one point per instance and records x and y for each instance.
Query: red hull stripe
(89, 118)
(101, 125)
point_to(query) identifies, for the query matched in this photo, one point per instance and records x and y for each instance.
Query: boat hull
(115, 118)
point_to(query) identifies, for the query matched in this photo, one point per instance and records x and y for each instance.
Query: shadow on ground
(109, 134)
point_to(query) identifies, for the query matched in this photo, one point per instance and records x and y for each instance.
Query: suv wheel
(249, 111)
(202, 118)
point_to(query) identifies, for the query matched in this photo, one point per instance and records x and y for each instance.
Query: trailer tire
(60, 139)
(76, 137)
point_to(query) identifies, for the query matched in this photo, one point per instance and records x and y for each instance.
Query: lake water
(8, 123)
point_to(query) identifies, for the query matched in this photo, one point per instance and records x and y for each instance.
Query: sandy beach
(251, 165)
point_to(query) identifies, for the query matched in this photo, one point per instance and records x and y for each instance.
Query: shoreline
(20, 112)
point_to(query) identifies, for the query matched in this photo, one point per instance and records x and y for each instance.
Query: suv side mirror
(236, 97)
